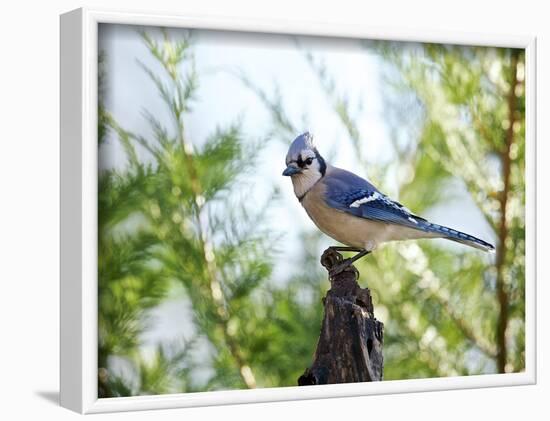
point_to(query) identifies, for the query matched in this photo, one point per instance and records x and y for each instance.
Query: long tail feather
(459, 237)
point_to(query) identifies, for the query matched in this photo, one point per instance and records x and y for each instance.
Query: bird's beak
(291, 170)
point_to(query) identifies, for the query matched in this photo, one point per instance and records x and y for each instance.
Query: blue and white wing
(352, 194)
(355, 195)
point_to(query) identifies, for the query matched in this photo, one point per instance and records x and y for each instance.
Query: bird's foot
(336, 264)
(345, 265)
(331, 258)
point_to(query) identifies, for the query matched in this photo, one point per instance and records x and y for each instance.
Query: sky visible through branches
(209, 274)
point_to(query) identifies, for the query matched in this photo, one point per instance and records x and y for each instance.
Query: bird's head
(304, 164)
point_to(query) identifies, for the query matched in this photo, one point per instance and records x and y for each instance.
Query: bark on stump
(349, 348)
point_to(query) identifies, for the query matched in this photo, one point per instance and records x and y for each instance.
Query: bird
(352, 211)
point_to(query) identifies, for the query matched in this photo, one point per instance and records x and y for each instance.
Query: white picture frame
(79, 154)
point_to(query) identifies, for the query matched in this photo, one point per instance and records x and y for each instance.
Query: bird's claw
(345, 265)
(331, 258)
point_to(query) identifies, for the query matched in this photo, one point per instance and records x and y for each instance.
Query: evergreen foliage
(175, 218)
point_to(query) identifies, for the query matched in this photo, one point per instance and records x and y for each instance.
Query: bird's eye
(309, 161)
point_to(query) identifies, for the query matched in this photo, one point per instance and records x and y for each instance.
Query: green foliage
(175, 217)
(472, 118)
(179, 217)
(470, 137)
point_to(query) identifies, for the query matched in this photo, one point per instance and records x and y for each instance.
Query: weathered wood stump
(349, 348)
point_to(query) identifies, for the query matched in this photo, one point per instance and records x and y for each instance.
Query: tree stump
(349, 348)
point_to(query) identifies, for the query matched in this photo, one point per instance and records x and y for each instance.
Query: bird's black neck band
(322, 163)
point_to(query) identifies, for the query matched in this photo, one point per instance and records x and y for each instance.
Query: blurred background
(209, 274)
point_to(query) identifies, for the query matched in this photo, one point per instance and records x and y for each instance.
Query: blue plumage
(459, 237)
(350, 193)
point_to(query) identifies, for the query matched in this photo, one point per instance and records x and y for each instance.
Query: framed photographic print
(259, 211)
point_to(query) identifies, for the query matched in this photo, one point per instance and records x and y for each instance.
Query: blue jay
(352, 211)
